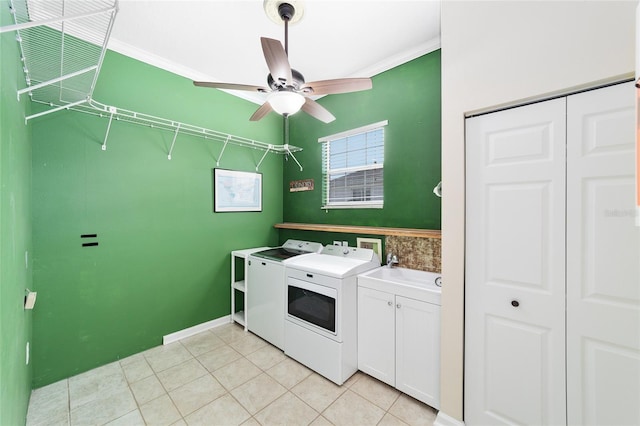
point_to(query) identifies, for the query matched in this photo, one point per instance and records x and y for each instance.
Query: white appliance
(321, 309)
(265, 280)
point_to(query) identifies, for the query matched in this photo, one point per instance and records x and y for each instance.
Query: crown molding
(176, 68)
(257, 98)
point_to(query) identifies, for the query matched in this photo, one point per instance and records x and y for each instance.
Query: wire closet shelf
(62, 47)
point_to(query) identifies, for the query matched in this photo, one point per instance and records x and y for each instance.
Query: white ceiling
(219, 40)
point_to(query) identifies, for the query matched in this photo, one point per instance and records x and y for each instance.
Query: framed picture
(374, 244)
(235, 191)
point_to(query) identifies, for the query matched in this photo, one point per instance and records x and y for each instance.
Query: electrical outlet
(345, 243)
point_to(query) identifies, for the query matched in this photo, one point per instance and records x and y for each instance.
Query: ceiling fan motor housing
(298, 81)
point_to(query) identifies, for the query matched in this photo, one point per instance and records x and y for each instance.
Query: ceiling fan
(288, 92)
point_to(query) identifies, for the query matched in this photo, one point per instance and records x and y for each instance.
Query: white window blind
(353, 168)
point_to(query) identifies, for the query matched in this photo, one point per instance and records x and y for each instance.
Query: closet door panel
(520, 367)
(603, 249)
(528, 253)
(515, 266)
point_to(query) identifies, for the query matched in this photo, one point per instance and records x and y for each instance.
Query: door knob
(515, 303)
(389, 303)
(398, 306)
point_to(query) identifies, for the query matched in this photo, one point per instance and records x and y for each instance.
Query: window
(352, 168)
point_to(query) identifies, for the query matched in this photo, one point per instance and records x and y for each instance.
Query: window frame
(327, 171)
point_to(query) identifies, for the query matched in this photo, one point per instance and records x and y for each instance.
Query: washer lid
(289, 249)
(279, 253)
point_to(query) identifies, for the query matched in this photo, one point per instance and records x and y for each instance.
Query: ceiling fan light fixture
(285, 102)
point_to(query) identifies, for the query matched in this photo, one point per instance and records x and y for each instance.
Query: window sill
(353, 206)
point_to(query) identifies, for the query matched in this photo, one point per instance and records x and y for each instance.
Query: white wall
(504, 52)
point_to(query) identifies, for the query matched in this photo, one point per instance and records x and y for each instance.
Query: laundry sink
(420, 285)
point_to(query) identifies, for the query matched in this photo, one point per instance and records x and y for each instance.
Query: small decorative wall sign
(301, 185)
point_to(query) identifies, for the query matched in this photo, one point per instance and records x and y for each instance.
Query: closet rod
(96, 108)
(134, 117)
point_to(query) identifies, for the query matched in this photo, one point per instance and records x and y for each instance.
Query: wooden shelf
(370, 230)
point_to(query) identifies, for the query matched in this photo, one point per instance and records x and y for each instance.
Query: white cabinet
(418, 350)
(377, 334)
(239, 269)
(399, 342)
(552, 302)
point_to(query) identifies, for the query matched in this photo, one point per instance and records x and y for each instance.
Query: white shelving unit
(239, 283)
(62, 47)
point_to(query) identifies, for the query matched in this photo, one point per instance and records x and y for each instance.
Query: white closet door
(515, 186)
(603, 253)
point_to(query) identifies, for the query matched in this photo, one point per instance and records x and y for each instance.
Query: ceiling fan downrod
(286, 12)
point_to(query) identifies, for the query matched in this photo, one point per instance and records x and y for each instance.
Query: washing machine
(265, 282)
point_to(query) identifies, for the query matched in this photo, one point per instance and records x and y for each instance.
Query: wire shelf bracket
(106, 136)
(175, 136)
(264, 155)
(226, 141)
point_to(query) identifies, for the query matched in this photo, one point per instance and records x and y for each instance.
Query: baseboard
(174, 337)
(445, 420)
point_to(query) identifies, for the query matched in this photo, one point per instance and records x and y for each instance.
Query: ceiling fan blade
(231, 86)
(277, 60)
(340, 85)
(316, 110)
(261, 112)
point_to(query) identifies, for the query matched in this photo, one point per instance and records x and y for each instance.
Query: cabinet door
(515, 266)
(376, 334)
(418, 350)
(603, 249)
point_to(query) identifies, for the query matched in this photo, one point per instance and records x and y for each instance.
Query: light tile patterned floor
(219, 377)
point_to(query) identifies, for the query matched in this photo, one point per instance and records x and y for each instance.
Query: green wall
(15, 232)
(163, 259)
(409, 97)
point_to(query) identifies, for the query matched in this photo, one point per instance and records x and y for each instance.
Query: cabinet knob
(515, 303)
(398, 306)
(389, 303)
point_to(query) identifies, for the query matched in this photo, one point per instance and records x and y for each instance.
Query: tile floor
(223, 376)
